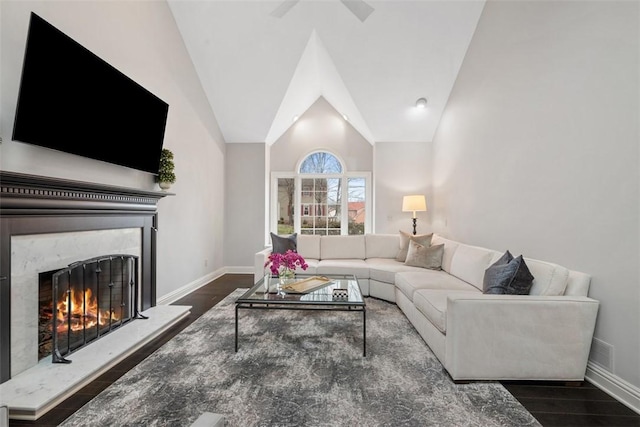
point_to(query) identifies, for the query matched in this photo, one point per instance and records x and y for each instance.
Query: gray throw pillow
(282, 244)
(508, 275)
(425, 256)
(423, 239)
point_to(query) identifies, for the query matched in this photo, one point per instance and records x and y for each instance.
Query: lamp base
(414, 226)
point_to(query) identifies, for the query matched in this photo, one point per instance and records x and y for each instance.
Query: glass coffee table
(342, 293)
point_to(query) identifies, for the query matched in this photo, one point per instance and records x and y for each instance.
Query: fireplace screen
(88, 300)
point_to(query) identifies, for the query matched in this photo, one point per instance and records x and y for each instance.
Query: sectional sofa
(545, 335)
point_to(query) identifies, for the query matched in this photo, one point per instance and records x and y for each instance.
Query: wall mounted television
(71, 100)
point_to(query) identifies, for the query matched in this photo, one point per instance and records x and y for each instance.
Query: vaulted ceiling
(261, 63)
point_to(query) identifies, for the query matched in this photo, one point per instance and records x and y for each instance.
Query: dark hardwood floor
(552, 404)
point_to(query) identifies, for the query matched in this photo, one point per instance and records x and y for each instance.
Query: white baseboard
(621, 390)
(174, 296)
(238, 270)
(190, 287)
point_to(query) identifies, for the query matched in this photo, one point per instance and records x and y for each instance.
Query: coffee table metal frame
(257, 298)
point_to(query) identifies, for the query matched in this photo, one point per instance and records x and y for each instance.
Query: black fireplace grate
(92, 298)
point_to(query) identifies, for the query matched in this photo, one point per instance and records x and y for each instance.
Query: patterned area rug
(299, 368)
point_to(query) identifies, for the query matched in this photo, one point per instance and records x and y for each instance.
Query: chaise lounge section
(545, 335)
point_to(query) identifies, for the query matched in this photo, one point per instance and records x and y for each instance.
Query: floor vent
(602, 354)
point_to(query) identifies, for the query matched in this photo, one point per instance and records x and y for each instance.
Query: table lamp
(414, 203)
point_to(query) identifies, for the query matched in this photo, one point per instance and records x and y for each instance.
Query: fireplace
(49, 223)
(84, 301)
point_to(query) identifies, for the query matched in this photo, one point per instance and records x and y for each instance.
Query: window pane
(321, 162)
(333, 190)
(333, 217)
(356, 203)
(307, 223)
(307, 190)
(286, 192)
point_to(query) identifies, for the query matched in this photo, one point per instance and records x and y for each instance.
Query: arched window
(321, 198)
(321, 162)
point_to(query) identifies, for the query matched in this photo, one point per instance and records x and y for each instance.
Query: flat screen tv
(71, 100)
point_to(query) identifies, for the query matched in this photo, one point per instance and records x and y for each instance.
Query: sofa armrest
(506, 337)
(259, 260)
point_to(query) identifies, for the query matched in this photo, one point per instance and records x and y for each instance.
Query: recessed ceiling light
(294, 119)
(421, 103)
(344, 116)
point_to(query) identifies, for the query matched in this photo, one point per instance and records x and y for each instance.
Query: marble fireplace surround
(32, 254)
(45, 224)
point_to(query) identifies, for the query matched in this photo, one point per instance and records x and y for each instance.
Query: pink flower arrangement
(289, 260)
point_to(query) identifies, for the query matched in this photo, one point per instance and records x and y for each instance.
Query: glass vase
(286, 276)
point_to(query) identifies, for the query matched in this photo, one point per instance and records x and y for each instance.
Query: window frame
(297, 199)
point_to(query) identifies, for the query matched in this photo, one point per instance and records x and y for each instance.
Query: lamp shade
(415, 203)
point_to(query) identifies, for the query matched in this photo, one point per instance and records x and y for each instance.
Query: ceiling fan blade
(359, 8)
(283, 8)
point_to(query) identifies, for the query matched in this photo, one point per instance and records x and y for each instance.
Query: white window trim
(273, 205)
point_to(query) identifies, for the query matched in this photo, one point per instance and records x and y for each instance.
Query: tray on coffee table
(307, 285)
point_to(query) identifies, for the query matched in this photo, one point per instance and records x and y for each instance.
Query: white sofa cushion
(382, 290)
(385, 269)
(470, 262)
(309, 246)
(357, 267)
(312, 266)
(410, 281)
(342, 247)
(433, 304)
(449, 249)
(381, 245)
(548, 278)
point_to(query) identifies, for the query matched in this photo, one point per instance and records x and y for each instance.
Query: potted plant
(166, 176)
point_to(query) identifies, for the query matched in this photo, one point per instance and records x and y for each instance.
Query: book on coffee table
(307, 285)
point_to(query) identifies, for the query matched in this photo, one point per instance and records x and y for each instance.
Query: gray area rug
(299, 368)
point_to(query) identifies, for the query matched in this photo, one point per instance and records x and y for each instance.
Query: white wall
(401, 169)
(245, 204)
(537, 150)
(140, 39)
(321, 127)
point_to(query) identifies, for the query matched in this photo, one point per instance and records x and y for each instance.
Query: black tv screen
(71, 100)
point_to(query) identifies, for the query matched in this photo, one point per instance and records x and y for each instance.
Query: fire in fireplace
(85, 301)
